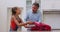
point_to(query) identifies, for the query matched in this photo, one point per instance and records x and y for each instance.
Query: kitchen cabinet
(52, 18)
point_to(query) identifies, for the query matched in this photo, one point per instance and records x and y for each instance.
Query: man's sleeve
(40, 17)
(27, 17)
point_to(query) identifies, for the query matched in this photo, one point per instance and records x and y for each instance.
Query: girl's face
(18, 11)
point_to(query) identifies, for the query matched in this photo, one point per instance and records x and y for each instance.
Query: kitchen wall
(52, 18)
(50, 4)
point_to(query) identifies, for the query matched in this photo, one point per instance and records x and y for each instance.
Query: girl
(15, 20)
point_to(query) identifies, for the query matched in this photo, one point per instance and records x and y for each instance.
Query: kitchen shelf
(52, 11)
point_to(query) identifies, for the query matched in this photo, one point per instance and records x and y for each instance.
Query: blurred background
(50, 12)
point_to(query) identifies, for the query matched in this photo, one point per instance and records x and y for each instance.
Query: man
(34, 14)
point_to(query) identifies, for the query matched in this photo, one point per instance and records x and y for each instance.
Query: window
(28, 4)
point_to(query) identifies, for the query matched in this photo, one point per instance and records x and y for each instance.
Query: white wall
(4, 4)
(50, 4)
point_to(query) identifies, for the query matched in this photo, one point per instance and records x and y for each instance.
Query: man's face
(34, 8)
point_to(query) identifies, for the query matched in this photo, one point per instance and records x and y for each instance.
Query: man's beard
(34, 11)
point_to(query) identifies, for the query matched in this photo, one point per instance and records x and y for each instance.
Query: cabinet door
(53, 20)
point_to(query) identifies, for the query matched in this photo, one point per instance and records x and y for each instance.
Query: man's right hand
(29, 22)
